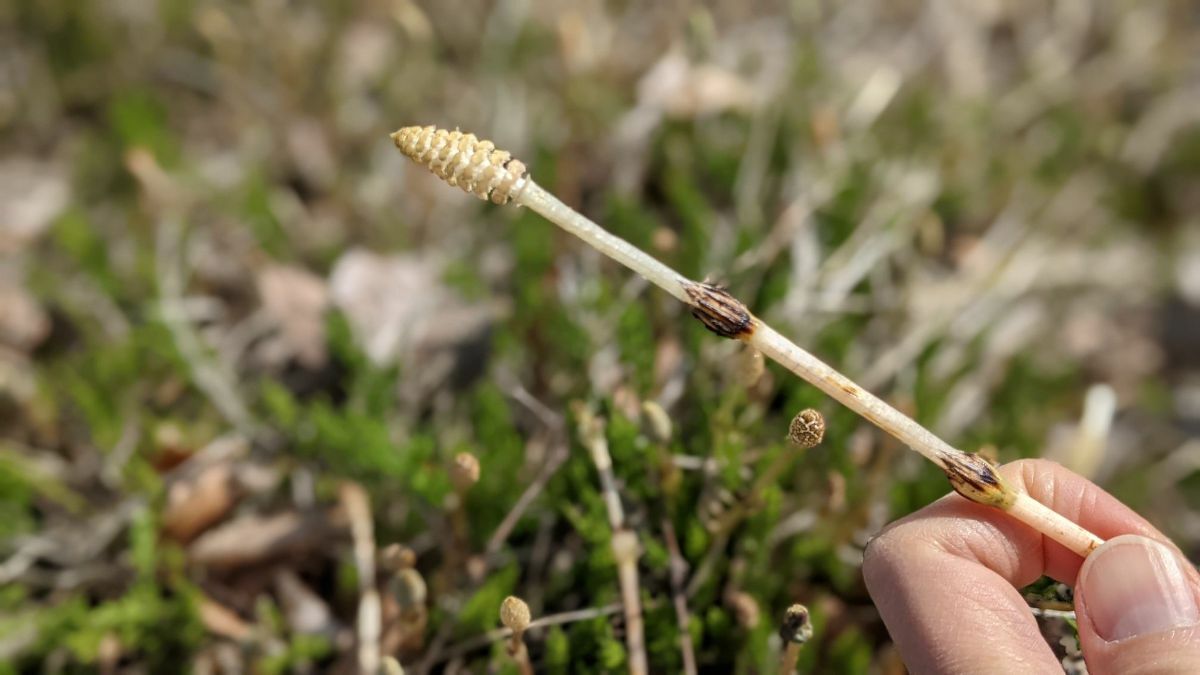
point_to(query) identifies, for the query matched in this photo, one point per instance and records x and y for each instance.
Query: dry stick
(358, 512)
(464, 473)
(624, 541)
(557, 455)
(477, 167)
(678, 567)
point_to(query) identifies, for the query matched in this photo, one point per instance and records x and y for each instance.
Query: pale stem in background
(678, 571)
(370, 614)
(624, 541)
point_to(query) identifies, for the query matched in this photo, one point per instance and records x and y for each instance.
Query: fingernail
(1134, 586)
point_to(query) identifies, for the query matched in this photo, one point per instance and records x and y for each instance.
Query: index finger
(945, 579)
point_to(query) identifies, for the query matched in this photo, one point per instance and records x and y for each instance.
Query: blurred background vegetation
(231, 312)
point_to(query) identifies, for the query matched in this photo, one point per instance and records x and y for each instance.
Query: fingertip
(1138, 607)
(1134, 586)
(945, 576)
(954, 567)
(1079, 500)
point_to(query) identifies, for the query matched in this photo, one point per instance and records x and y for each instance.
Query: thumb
(1138, 605)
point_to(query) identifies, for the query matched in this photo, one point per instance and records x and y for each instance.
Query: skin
(946, 581)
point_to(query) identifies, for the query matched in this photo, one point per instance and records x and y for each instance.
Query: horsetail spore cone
(515, 616)
(477, 167)
(464, 161)
(807, 429)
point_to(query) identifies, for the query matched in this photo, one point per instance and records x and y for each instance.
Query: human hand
(946, 580)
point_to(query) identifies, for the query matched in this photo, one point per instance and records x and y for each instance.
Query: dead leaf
(1187, 267)
(17, 376)
(32, 194)
(254, 539)
(295, 300)
(312, 153)
(683, 89)
(23, 322)
(196, 503)
(220, 620)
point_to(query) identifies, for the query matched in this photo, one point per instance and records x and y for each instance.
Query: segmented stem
(477, 167)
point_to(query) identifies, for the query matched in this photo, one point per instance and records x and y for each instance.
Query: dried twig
(358, 512)
(558, 454)
(624, 541)
(477, 167)
(464, 473)
(678, 568)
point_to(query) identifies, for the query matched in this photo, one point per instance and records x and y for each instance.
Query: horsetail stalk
(516, 617)
(795, 630)
(477, 167)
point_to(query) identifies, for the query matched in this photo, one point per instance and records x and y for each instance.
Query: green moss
(557, 656)
(850, 652)
(17, 514)
(690, 206)
(79, 239)
(155, 623)
(255, 211)
(139, 120)
(481, 610)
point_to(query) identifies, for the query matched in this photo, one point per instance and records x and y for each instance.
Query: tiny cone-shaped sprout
(795, 630)
(465, 471)
(407, 612)
(409, 589)
(396, 557)
(796, 627)
(391, 666)
(744, 607)
(658, 421)
(624, 546)
(807, 429)
(464, 161)
(514, 614)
